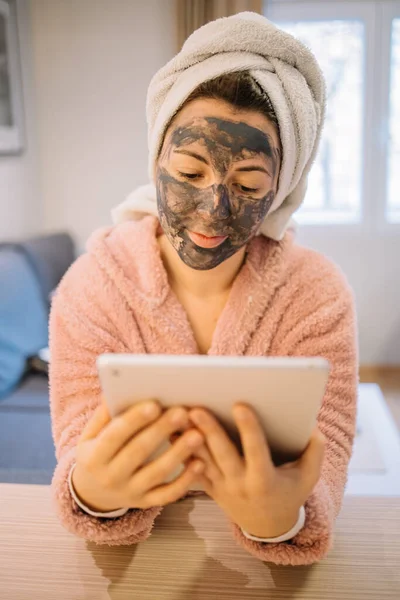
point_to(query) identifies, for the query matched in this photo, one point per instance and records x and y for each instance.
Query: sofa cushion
(27, 452)
(27, 476)
(26, 442)
(23, 316)
(49, 256)
(31, 394)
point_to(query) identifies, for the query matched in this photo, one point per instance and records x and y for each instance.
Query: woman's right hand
(110, 471)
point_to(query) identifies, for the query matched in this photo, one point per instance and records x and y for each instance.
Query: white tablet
(286, 393)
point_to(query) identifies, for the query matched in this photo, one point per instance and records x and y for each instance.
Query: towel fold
(285, 69)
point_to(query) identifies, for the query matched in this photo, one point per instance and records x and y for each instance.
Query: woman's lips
(206, 242)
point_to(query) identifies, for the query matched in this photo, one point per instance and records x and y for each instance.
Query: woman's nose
(221, 206)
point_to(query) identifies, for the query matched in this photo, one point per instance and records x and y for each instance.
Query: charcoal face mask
(220, 209)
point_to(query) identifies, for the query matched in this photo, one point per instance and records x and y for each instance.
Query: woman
(205, 261)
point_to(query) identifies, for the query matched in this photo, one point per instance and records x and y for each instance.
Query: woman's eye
(245, 189)
(189, 175)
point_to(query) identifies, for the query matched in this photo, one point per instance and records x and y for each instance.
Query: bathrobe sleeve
(81, 328)
(320, 321)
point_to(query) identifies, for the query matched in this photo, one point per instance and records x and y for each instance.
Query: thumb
(97, 421)
(310, 462)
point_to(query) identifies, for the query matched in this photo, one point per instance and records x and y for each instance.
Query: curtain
(192, 14)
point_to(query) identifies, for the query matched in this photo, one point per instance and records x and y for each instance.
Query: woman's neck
(202, 284)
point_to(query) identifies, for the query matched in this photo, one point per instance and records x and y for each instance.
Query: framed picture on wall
(11, 112)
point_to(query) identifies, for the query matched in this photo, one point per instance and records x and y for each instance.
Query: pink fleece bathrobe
(286, 301)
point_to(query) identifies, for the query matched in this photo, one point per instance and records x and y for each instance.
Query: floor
(388, 380)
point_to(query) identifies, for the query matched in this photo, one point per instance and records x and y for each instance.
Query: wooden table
(190, 556)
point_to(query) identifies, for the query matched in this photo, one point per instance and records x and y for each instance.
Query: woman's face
(216, 179)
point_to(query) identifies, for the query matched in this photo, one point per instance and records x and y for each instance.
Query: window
(393, 207)
(11, 112)
(356, 175)
(334, 187)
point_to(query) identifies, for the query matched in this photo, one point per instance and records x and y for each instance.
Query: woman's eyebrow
(204, 160)
(253, 168)
(193, 154)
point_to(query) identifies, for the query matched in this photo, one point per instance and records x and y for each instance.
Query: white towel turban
(282, 66)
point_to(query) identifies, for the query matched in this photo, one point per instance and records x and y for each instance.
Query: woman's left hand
(264, 500)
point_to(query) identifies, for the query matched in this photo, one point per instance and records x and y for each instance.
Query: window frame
(377, 17)
(390, 10)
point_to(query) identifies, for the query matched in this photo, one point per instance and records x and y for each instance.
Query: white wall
(20, 201)
(371, 261)
(93, 60)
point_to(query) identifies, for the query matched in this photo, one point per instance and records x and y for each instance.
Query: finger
(123, 427)
(171, 492)
(211, 470)
(96, 423)
(156, 473)
(255, 448)
(177, 434)
(289, 465)
(139, 449)
(174, 437)
(222, 449)
(310, 463)
(206, 485)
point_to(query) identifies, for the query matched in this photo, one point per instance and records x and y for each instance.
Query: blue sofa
(29, 273)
